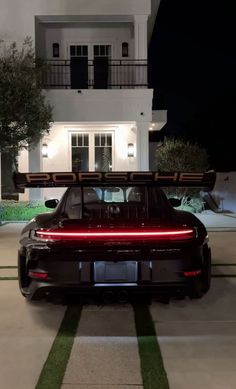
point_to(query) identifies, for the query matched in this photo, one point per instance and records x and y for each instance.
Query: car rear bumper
(158, 270)
(40, 290)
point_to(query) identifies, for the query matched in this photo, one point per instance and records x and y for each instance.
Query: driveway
(197, 338)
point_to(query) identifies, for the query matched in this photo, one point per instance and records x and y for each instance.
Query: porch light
(44, 150)
(130, 150)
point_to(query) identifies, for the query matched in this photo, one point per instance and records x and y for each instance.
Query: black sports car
(114, 234)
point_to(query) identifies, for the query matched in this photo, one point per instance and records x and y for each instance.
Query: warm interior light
(149, 234)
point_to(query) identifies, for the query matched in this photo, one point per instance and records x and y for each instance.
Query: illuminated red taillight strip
(36, 274)
(192, 273)
(55, 234)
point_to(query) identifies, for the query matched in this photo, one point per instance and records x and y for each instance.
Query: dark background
(193, 72)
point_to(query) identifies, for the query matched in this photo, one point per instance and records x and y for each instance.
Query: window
(91, 151)
(80, 152)
(103, 152)
(78, 50)
(102, 51)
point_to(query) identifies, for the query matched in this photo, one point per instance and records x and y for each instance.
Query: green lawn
(11, 210)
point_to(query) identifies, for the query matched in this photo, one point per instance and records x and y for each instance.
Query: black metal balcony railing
(101, 73)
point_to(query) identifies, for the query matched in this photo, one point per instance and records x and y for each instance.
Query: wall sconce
(130, 150)
(44, 150)
(125, 49)
(55, 50)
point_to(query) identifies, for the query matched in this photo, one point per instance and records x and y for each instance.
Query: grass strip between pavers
(53, 371)
(223, 264)
(223, 275)
(8, 278)
(152, 369)
(8, 267)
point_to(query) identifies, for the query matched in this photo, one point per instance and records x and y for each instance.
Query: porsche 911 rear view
(115, 232)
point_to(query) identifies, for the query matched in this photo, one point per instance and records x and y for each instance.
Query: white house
(97, 82)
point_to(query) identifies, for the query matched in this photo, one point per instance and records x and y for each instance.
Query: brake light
(37, 274)
(148, 234)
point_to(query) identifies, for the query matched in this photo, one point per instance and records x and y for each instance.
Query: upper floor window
(78, 50)
(102, 51)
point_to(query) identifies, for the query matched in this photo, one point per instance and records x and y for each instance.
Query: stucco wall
(101, 105)
(17, 16)
(65, 36)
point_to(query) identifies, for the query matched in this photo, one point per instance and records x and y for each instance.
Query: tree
(25, 116)
(179, 155)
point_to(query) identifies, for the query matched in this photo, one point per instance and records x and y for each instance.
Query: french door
(89, 65)
(91, 151)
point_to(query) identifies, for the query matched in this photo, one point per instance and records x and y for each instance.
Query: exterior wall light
(130, 150)
(44, 150)
(125, 49)
(55, 50)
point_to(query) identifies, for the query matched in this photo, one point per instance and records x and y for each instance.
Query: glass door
(101, 55)
(103, 152)
(92, 151)
(89, 65)
(79, 69)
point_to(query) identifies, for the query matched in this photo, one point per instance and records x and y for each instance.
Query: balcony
(100, 73)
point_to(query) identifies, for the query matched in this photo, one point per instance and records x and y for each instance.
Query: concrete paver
(198, 338)
(27, 332)
(217, 221)
(105, 350)
(9, 238)
(195, 380)
(8, 272)
(223, 247)
(221, 271)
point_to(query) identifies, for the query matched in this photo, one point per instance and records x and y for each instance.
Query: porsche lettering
(73, 177)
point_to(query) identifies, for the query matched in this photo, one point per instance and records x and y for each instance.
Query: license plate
(115, 272)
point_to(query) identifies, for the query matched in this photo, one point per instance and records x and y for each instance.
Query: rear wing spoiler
(204, 180)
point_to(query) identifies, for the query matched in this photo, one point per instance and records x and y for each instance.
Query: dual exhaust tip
(110, 297)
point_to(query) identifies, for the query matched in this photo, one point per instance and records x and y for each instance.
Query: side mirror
(174, 202)
(51, 203)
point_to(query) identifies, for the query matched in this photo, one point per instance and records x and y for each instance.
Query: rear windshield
(114, 201)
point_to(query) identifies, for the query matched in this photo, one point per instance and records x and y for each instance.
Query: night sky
(192, 55)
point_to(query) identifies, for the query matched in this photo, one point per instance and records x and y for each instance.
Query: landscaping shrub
(179, 155)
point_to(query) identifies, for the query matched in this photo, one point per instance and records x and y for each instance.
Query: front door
(91, 151)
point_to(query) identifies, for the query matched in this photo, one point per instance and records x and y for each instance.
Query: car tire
(201, 285)
(23, 279)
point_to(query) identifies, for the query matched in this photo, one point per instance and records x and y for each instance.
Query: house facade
(96, 82)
